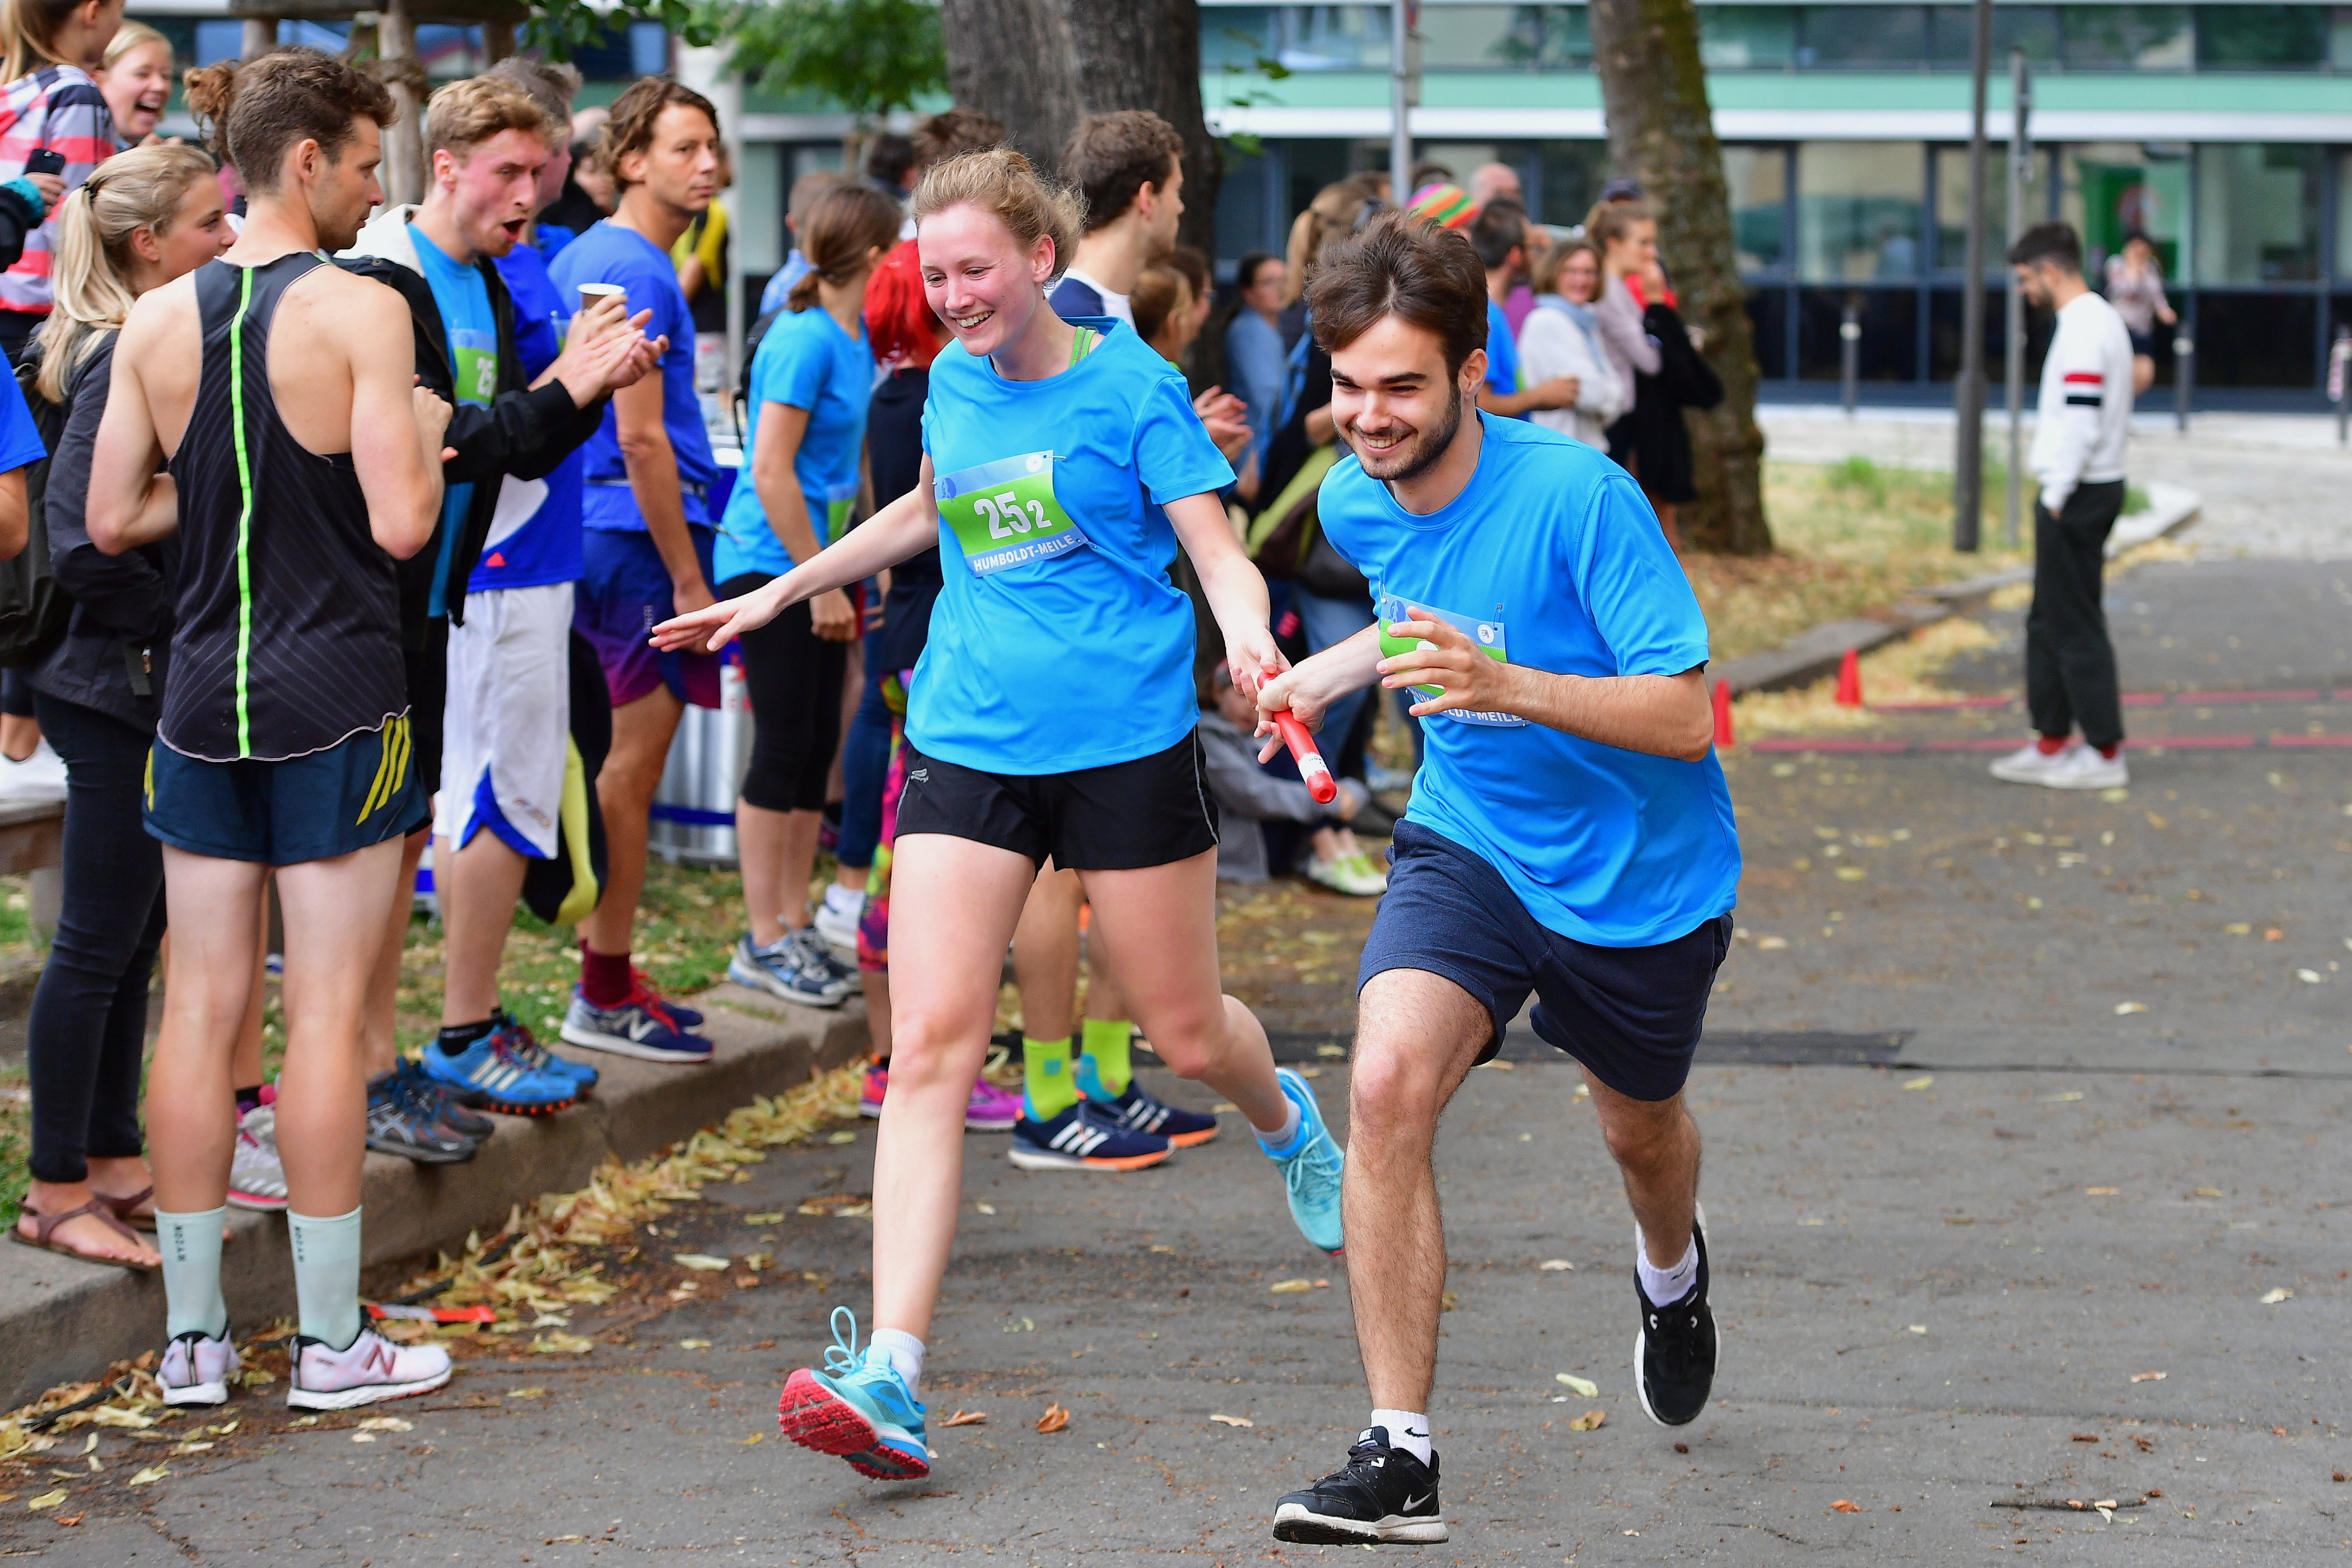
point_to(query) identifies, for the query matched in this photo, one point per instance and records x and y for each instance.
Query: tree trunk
(1662, 132)
(1041, 66)
(403, 170)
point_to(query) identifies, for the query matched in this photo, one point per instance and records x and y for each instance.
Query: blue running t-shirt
(608, 253)
(473, 343)
(1550, 558)
(1057, 642)
(808, 361)
(1502, 352)
(20, 438)
(542, 547)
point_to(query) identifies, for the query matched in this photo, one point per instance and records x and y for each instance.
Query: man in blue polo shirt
(1498, 234)
(646, 554)
(1571, 835)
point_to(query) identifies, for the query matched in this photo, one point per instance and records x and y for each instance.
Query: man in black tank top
(298, 476)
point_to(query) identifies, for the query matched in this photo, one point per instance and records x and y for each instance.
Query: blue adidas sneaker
(490, 1074)
(534, 1053)
(857, 1409)
(1312, 1166)
(1136, 1111)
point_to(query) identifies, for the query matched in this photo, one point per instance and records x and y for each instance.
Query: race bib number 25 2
(1488, 633)
(1004, 513)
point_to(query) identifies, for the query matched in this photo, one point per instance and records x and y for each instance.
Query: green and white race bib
(1486, 634)
(839, 502)
(1004, 514)
(476, 370)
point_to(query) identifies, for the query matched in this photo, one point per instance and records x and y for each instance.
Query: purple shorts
(623, 592)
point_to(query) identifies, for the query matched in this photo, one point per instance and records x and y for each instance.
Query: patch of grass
(1853, 537)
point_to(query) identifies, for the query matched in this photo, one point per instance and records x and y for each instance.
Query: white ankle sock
(327, 1276)
(1664, 1287)
(1408, 1430)
(906, 1354)
(191, 1246)
(837, 896)
(1271, 1141)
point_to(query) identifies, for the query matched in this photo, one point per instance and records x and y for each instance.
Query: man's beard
(1432, 447)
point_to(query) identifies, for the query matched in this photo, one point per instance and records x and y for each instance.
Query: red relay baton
(1311, 766)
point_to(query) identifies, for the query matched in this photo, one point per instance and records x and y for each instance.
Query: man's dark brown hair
(257, 109)
(2055, 243)
(1111, 157)
(1399, 266)
(1497, 230)
(630, 128)
(952, 133)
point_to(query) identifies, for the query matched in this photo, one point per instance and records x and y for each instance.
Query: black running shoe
(1380, 1494)
(401, 1121)
(1674, 1356)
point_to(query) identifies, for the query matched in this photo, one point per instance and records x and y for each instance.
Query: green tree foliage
(559, 27)
(869, 55)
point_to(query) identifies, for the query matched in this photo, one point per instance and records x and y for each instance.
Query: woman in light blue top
(1051, 718)
(810, 383)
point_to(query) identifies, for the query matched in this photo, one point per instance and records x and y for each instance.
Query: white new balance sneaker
(370, 1371)
(197, 1368)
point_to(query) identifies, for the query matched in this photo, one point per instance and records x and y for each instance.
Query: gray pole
(1403, 88)
(1967, 478)
(2021, 174)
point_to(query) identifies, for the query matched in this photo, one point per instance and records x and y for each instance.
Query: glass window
(2262, 38)
(1952, 208)
(1572, 174)
(1747, 38)
(2257, 211)
(1756, 179)
(2107, 189)
(216, 40)
(2125, 37)
(2344, 214)
(2339, 37)
(1863, 36)
(1858, 205)
(1567, 36)
(1458, 37)
(1236, 37)
(1337, 37)
(2033, 28)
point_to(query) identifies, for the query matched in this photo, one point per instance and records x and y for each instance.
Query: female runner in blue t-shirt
(1051, 716)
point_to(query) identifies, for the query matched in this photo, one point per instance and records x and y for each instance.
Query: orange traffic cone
(1723, 740)
(1849, 687)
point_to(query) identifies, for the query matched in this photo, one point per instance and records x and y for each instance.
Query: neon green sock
(1106, 1041)
(1047, 1087)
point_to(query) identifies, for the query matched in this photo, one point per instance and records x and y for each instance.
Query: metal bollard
(2339, 383)
(2184, 378)
(1850, 357)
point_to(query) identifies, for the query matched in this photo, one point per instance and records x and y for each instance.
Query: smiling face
(978, 279)
(1394, 402)
(1580, 277)
(493, 189)
(136, 88)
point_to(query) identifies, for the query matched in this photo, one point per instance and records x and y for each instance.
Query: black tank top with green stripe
(288, 634)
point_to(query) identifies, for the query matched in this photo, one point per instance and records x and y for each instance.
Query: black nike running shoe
(1674, 1353)
(1380, 1494)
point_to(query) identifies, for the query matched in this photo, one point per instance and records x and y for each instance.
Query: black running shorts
(1631, 1015)
(1124, 817)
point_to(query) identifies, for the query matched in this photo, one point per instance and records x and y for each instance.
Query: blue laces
(841, 1357)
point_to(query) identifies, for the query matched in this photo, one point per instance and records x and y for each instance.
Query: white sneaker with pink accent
(371, 1370)
(197, 1368)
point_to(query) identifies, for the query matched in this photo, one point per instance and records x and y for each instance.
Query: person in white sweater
(2078, 458)
(1561, 338)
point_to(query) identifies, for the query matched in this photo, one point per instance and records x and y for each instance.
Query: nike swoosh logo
(1414, 1502)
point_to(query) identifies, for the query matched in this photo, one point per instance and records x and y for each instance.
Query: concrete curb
(61, 1320)
(1815, 652)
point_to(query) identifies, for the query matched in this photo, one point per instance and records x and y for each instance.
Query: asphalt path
(2043, 1252)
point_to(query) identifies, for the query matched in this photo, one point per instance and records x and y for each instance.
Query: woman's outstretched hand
(714, 627)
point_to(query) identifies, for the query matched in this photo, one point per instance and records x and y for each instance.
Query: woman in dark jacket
(145, 217)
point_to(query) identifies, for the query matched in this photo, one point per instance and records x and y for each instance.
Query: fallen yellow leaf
(2124, 1007)
(2148, 1377)
(1851, 873)
(965, 1418)
(985, 1207)
(1555, 1266)
(704, 1261)
(775, 1218)
(1588, 1421)
(694, 1344)
(2278, 1295)
(152, 1473)
(842, 1138)
(46, 1499)
(1292, 1287)
(1922, 1083)
(386, 1424)
(2101, 1192)
(526, 1394)
(1576, 1385)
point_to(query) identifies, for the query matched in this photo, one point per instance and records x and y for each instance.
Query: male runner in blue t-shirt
(647, 554)
(1570, 835)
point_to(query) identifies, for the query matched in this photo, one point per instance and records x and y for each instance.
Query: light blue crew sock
(327, 1276)
(191, 1246)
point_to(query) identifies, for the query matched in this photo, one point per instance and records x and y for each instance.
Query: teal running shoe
(857, 1409)
(1311, 1168)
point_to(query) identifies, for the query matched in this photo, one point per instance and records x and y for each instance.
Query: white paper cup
(591, 293)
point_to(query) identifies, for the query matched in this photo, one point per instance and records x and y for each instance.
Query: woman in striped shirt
(51, 104)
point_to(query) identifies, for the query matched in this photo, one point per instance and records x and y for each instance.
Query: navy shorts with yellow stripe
(359, 792)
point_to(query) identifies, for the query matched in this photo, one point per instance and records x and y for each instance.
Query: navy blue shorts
(359, 792)
(1631, 1015)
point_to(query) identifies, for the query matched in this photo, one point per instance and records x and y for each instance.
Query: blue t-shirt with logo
(530, 547)
(1502, 352)
(608, 253)
(1550, 558)
(20, 438)
(1057, 642)
(473, 341)
(808, 361)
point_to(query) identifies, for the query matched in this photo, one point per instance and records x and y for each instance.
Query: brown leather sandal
(127, 1209)
(45, 1236)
